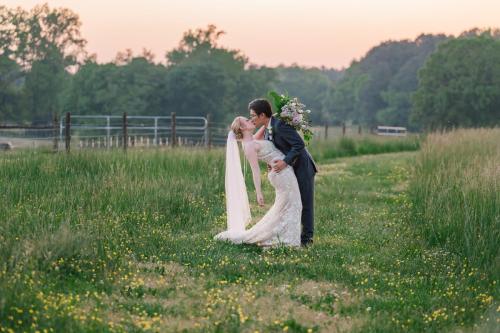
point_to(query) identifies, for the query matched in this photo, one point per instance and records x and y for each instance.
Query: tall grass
(455, 194)
(71, 224)
(346, 146)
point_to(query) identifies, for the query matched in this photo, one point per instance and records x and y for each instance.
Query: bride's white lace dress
(281, 224)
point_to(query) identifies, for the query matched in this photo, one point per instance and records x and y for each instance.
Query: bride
(281, 224)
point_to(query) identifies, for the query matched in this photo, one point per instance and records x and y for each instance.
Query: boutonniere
(270, 130)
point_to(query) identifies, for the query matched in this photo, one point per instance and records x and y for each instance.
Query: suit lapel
(273, 126)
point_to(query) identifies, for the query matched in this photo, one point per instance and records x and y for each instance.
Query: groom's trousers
(306, 187)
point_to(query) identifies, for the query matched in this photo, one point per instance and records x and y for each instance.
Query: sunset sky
(272, 32)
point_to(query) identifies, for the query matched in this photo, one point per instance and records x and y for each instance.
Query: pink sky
(272, 32)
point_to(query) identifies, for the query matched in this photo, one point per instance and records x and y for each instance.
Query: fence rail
(166, 130)
(130, 131)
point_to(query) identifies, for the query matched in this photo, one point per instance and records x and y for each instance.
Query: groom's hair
(260, 106)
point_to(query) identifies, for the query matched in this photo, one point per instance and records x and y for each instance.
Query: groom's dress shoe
(307, 243)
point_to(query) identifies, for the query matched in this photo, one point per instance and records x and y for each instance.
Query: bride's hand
(260, 199)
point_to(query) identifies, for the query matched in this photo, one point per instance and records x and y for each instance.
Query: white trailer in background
(391, 131)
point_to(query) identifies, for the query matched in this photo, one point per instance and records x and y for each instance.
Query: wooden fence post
(125, 133)
(174, 135)
(359, 129)
(209, 131)
(55, 132)
(326, 131)
(68, 131)
(343, 129)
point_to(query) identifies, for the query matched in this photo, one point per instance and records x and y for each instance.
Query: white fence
(112, 131)
(109, 131)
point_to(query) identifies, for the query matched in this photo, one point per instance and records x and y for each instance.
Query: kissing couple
(291, 171)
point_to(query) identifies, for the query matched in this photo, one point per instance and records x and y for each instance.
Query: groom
(286, 139)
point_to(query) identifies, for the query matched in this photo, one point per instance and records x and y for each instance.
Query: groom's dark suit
(289, 142)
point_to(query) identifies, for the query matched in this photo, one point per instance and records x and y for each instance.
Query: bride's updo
(236, 128)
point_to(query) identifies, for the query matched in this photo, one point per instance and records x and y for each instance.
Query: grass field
(456, 194)
(328, 150)
(107, 242)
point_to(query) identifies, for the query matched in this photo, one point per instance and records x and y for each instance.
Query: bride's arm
(251, 155)
(259, 135)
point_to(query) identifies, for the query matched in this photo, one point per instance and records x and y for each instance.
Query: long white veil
(237, 206)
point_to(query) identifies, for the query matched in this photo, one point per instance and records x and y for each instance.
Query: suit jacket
(286, 139)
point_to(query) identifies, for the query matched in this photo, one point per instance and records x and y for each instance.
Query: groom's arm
(293, 138)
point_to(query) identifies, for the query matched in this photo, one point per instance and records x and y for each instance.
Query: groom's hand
(279, 165)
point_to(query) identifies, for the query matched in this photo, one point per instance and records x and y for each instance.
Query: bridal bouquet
(293, 113)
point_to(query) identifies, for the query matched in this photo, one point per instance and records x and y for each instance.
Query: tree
(404, 83)
(460, 84)
(197, 89)
(134, 86)
(43, 86)
(377, 89)
(201, 45)
(45, 43)
(29, 36)
(311, 85)
(206, 78)
(11, 79)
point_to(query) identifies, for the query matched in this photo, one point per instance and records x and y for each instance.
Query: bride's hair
(236, 128)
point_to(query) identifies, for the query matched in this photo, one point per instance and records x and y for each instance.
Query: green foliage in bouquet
(292, 112)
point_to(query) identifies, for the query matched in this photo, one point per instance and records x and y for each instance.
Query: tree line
(434, 81)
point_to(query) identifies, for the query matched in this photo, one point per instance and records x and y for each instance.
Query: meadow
(456, 194)
(328, 150)
(102, 241)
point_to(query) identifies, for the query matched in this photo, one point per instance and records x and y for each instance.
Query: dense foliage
(460, 84)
